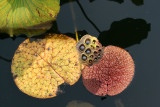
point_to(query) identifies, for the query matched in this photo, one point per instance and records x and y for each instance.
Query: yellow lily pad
(40, 67)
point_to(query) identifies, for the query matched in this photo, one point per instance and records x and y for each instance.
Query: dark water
(128, 24)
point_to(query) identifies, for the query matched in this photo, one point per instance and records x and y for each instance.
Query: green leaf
(29, 17)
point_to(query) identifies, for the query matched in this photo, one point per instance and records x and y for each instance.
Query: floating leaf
(29, 17)
(111, 75)
(40, 67)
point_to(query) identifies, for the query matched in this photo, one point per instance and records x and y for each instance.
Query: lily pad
(40, 67)
(29, 17)
(111, 75)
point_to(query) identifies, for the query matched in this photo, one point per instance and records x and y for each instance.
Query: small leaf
(40, 67)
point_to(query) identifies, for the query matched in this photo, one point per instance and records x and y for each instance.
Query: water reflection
(119, 36)
(136, 2)
(118, 103)
(125, 33)
(5, 59)
(91, 0)
(146, 62)
(118, 1)
(79, 104)
(105, 97)
(66, 1)
(80, 34)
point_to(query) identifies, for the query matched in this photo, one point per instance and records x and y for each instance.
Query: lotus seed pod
(30, 17)
(111, 75)
(90, 50)
(40, 67)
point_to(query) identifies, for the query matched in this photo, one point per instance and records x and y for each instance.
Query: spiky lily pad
(111, 75)
(41, 66)
(29, 17)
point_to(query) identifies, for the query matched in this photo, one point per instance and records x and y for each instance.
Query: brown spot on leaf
(15, 76)
(18, 51)
(50, 94)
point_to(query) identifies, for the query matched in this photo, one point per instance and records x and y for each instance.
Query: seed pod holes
(81, 47)
(87, 41)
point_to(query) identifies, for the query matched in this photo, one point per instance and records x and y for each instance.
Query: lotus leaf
(40, 67)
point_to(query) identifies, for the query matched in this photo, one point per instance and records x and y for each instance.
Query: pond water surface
(135, 28)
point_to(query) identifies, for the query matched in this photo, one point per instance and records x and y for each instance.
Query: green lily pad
(30, 17)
